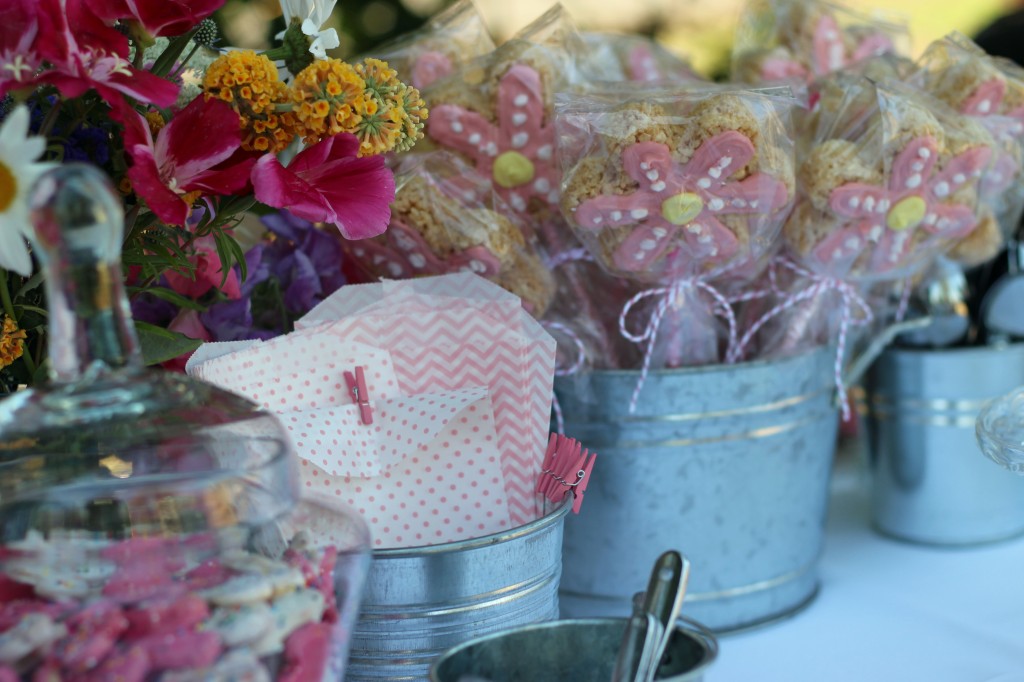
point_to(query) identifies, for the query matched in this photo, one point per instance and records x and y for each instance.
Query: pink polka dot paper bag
(457, 379)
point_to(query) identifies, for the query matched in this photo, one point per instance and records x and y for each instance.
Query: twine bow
(850, 299)
(666, 296)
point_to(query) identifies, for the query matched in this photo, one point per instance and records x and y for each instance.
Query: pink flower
(82, 53)
(986, 104)
(828, 53)
(329, 183)
(186, 322)
(677, 204)
(158, 17)
(207, 275)
(915, 198)
(518, 152)
(185, 156)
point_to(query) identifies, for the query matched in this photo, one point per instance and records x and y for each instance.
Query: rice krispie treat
(806, 39)
(880, 203)
(434, 231)
(666, 188)
(634, 58)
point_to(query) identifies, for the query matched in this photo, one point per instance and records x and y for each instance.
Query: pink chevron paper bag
(454, 331)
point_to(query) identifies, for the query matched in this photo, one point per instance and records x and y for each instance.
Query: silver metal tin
(421, 601)
(729, 464)
(930, 482)
(576, 650)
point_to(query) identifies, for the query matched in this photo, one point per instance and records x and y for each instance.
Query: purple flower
(306, 261)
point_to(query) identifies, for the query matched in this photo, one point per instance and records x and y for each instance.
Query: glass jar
(151, 526)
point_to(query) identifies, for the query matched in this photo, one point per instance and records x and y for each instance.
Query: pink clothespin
(566, 468)
(357, 387)
(581, 485)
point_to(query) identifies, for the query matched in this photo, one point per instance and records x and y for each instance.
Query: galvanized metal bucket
(570, 650)
(421, 601)
(930, 482)
(728, 463)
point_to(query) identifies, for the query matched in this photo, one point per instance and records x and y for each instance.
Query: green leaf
(169, 296)
(159, 344)
(163, 64)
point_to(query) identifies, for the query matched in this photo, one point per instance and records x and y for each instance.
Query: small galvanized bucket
(729, 463)
(421, 601)
(930, 482)
(570, 650)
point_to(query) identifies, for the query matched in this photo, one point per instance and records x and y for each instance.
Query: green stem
(51, 119)
(130, 219)
(139, 59)
(183, 63)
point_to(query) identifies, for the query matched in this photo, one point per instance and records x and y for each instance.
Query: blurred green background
(698, 29)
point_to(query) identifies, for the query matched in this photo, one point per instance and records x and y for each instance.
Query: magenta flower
(985, 104)
(19, 61)
(185, 157)
(914, 198)
(208, 273)
(158, 17)
(85, 53)
(682, 201)
(518, 153)
(329, 183)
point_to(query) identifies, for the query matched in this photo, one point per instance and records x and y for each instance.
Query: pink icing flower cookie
(517, 151)
(916, 197)
(676, 210)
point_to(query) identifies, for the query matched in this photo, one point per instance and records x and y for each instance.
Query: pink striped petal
(430, 67)
(718, 158)
(913, 165)
(1003, 173)
(986, 99)
(858, 200)
(963, 169)
(465, 131)
(872, 45)
(651, 165)
(828, 51)
(841, 248)
(708, 239)
(643, 246)
(758, 193)
(952, 221)
(616, 211)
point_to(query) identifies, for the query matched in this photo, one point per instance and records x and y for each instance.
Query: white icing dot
(930, 219)
(716, 204)
(616, 215)
(520, 140)
(518, 203)
(924, 152)
(644, 165)
(653, 175)
(693, 228)
(648, 244)
(469, 195)
(457, 126)
(417, 260)
(754, 203)
(639, 255)
(869, 203)
(658, 186)
(942, 189)
(854, 202)
(395, 269)
(739, 202)
(875, 233)
(959, 178)
(474, 138)
(914, 181)
(544, 153)
(638, 213)
(659, 232)
(984, 106)
(553, 197)
(520, 100)
(597, 220)
(704, 183)
(943, 223)
(518, 118)
(491, 149)
(852, 243)
(704, 238)
(542, 185)
(883, 206)
(715, 172)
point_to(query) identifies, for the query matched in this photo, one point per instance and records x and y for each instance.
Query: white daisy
(313, 14)
(18, 171)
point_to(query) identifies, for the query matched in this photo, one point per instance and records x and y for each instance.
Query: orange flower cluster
(12, 342)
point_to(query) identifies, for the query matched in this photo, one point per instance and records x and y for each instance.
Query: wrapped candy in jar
(151, 526)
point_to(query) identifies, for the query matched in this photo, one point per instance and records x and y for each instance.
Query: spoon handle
(637, 648)
(664, 599)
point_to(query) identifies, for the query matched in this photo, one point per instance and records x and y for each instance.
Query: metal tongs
(653, 621)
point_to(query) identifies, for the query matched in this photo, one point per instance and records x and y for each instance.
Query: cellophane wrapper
(680, 190)
(443, 220)
(802, 40)
(634, 58)
(440, 47)
(989, 90)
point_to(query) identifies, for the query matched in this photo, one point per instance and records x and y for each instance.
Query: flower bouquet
(195, 136)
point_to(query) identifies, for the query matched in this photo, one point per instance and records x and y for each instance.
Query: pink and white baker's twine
(666, 296)
(576, 366)
(821, 285)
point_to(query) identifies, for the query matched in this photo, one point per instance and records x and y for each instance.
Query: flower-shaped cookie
(984, 104)
(407, 255)
(917, 197)
(518, 152)
(678, 205)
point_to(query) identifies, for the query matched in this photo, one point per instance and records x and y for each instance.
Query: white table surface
(891, 611)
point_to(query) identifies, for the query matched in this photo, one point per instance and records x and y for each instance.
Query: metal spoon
(639, 659)
(943, 296)
(1002, 309)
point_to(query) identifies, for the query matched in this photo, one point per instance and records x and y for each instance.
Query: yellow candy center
(682, 208)
(512, 169)
(8, 187)
(906, 214)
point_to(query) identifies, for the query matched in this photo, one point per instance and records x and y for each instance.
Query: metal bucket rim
(966, 351)
(708, 369)
(551, 518)
(688, 627)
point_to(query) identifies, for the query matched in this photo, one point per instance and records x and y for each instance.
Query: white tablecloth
(890, 611)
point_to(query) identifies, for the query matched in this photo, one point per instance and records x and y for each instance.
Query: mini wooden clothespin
(566, 468)
(357, 387)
